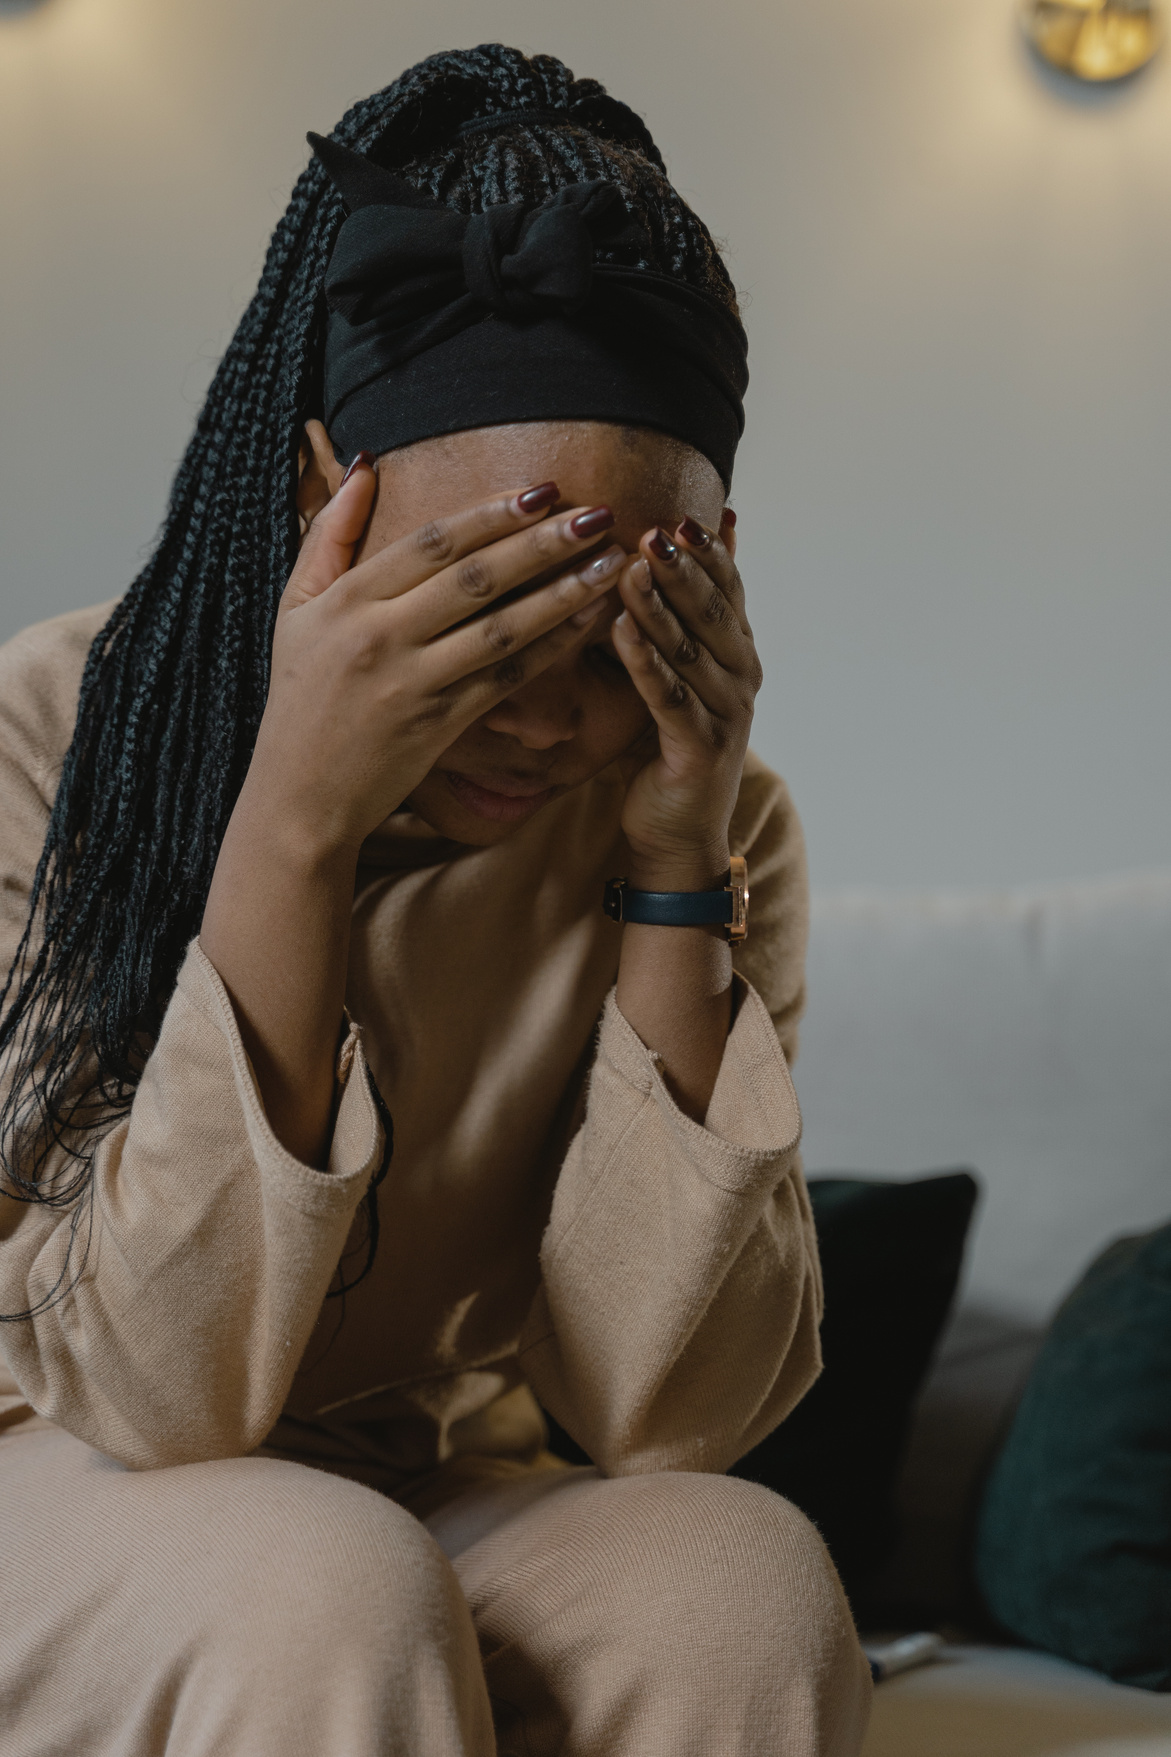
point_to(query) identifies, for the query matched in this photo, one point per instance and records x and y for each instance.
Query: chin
(463, 827)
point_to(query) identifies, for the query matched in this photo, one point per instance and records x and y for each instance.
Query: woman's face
(575, 718)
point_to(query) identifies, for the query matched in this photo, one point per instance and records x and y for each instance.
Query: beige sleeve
(766, 828)
(677, 1319)
(172, 1330)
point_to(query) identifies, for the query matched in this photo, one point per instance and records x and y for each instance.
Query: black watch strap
(728, 907)
(666, 908)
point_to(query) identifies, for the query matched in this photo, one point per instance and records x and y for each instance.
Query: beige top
(551, 1221)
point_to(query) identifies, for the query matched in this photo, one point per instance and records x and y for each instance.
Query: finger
(686, 656)
(483, 688)
(715, 553)
(487, 574)
(728, 531)
(328, 549)
(677, 710)
(697, 588)
(574, 599)
(421, 554)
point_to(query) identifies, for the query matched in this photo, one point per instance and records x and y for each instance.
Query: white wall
(1026, 1033)
(954, 492)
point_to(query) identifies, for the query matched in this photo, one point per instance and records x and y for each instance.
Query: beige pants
(257, 1608)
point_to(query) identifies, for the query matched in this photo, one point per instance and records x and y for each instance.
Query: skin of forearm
(277, 925)
(277, 929)
(675, 985)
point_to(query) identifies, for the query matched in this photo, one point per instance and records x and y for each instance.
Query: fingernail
(661, 545)
(591, 523)
(537, 499)
(628, 626)
(605, 564)
(729, 517)
(588, 612)
(642, 577)
(363, 457)
(693, 532)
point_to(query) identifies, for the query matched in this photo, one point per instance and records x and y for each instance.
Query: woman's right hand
(377, 669)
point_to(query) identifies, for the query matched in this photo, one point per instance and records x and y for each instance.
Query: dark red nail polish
(729, 517)
(363, 457)
(592, 523)
(661, 545)
(693, 533)
(537, 499)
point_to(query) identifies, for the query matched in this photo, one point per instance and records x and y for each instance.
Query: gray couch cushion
(1002, 1702)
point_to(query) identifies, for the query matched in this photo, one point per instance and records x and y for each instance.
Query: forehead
(646, 477)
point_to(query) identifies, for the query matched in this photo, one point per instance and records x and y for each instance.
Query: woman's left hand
(685, 640)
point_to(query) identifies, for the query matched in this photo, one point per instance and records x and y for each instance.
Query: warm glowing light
(1093, 39)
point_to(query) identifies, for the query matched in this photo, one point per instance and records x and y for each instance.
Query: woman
(281, 866)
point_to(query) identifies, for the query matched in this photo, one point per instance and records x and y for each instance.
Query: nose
(539, 714)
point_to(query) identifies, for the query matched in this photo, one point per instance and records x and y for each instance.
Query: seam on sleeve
(324, 1191)
(700, 1144)
(540, 1341)
(361, 1096)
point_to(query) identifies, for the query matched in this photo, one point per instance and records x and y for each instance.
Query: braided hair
(175, 683)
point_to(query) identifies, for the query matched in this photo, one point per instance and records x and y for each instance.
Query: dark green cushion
(890, 1257)
(1073, 1548)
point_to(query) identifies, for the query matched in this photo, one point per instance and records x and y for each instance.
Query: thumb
(328, 550)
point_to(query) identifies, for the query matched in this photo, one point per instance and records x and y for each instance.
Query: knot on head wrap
(398, 259)
(442, 321)
(522, 263)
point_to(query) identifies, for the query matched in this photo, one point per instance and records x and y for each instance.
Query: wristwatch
(728, 907)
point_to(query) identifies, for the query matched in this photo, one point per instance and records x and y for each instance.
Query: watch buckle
(612, 898)
(737, 928)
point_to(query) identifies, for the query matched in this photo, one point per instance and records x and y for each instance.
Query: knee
(744, 1577)
(283, 1557)
(773, 1550)
(735, 1562)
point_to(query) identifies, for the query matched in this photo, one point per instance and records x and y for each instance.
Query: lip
(509, 802)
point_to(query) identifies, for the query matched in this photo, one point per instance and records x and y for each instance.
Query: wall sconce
(1093, 39)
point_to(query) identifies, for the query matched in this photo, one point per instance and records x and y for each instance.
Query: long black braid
(175, 683)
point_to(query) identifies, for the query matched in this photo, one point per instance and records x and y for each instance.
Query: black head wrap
(441, 321)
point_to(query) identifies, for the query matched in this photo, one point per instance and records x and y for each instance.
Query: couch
(1026, 1034)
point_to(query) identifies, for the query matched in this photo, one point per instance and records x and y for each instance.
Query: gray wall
(954, 492)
